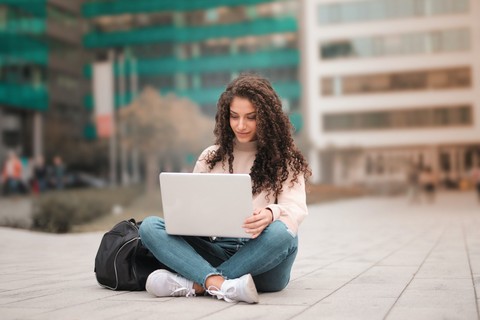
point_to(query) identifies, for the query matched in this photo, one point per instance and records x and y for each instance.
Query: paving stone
(402, 313)
(343, 307)
(294, 296)
(462, 301)
(366, 258)
(243, 312)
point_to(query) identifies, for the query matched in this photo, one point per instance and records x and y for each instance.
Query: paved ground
(368, 258)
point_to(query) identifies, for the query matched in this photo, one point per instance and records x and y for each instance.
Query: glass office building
(390, 84)
(190, 48)
(194, 48)
(41, 77)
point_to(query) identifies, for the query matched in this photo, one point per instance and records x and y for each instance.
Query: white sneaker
(163, 283)
(240, 289)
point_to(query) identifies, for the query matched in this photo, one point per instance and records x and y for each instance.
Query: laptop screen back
(206, 204)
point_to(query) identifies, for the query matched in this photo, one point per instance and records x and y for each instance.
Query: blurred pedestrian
(58, 173)
(476, 180)
(11, 174)
(428, 182)
(40, 174)
(26, 178)
(413, 180)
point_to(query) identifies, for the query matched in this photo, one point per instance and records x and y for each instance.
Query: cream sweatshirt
(290, 207)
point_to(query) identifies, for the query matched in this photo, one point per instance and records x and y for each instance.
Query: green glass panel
(182, 35)
(18, 42)
(201, 96)
(88, 102)
(29, 26)
(297, 121)
(90, 132)
(18, 49)
(234, 63)
(286, 90)
(37, 57)
(100, 8)
(23, 96)
(36, 8)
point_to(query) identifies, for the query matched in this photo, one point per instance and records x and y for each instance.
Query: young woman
(253, 136)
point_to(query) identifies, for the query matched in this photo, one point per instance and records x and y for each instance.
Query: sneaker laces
(180, 291)
(214, 291)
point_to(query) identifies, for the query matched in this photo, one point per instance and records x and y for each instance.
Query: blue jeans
(268, 258)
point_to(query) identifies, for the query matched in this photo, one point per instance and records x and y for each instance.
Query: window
(11, 138)
(399, 119)
(359, 11)
(214, 47)
(62, 17)
(280, 74)
(162, 82)
(3, 16)
(217, 79)
(399, 44)
(394, 82)
(153, 51)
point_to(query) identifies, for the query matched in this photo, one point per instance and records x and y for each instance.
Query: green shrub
(53, 215)
(58, 211)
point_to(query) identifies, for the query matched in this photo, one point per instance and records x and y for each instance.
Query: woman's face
(243, 119)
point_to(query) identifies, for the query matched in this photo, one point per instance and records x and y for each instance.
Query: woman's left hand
(256, 223)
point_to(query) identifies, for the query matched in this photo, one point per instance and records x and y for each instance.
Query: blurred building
(42, 85)
(391, 83)
(194, 48)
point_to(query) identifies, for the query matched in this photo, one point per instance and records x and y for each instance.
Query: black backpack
(122, 261)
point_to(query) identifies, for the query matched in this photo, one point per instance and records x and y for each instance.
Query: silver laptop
(206, 204)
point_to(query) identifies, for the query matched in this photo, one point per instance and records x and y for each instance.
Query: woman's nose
(241, 124)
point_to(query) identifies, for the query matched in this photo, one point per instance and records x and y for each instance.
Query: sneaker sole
(148, 284)
(252, 290)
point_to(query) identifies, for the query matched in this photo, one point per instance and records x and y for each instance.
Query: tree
(163, 128)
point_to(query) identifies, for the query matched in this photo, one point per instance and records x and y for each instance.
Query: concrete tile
(476, 281)
(63, 298)
(345, 270)
(376, 290)
(13, 296)
(291, 296)
(444, 269)
(255, 312)
(21, 313)
(319, 283)
(194, 308)
(342, 308)
(440, 284)
(454, 299)
(137, 296)
(97, 309)
(386, 274)
(402, 313)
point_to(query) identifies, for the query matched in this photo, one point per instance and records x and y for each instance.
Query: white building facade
(391, 83)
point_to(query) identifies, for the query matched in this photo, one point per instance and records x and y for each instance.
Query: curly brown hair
(276, 151)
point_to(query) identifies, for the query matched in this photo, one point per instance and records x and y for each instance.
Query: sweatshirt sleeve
(291, 206)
